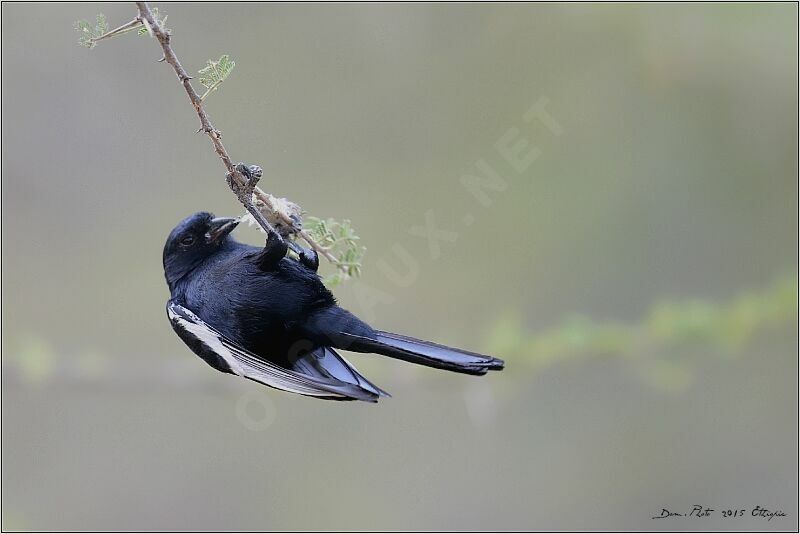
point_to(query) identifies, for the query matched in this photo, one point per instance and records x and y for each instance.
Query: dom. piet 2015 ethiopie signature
(704, 512)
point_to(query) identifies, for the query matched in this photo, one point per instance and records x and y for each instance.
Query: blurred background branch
(662, 347)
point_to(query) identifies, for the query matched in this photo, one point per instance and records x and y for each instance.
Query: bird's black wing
(224, 354)
(325, 362)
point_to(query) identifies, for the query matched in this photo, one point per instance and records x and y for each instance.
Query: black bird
(262, 315)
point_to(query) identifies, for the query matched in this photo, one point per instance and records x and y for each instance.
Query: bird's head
(192, 241)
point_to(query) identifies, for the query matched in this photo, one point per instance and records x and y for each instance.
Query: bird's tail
(423, 353)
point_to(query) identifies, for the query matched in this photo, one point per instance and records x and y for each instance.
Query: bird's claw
(251, 173)
(309, 258)
(275, 247)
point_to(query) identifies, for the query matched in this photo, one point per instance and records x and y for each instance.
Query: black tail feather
(422, 352)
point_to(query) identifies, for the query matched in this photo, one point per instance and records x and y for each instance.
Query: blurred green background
(639, 277)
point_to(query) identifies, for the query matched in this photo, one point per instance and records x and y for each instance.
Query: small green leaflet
(89, 33)
(340, 239)
(214, 73)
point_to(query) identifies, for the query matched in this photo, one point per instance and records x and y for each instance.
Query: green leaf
(89, 33)
(215, 72)
(341, 240)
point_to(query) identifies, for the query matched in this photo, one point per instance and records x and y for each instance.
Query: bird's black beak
(220, 227)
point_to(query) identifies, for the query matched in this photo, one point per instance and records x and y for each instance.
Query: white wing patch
(205, 334)
(244, 363)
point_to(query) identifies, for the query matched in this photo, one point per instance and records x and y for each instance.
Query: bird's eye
(187, 241)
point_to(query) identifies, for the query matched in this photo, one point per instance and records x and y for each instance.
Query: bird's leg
(274, 251)
(309, 258)
(275, 242)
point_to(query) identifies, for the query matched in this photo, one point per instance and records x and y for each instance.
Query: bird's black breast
(261, 310)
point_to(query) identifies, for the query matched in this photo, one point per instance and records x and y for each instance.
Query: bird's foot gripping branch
(278, 210)
(242, 180)
(280, 219)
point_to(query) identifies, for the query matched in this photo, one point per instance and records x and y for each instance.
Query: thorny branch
(125, 28)
(241, 182)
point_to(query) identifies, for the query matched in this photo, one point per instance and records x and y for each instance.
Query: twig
(242, 185)
(125, 28)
